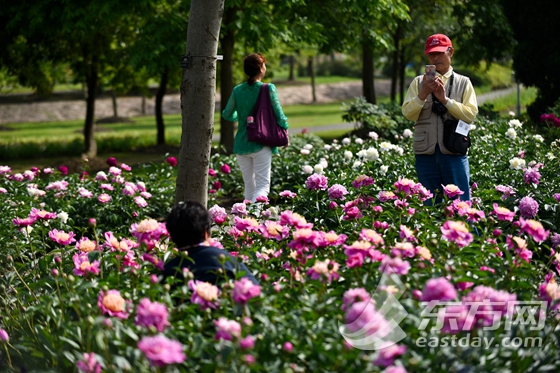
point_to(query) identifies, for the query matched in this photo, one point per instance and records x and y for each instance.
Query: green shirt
(241, 105)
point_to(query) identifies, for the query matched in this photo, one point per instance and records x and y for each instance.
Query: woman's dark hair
(252, 66)
(187, 223)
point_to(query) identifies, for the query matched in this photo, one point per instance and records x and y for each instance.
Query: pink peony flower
(172, 161)
(452, 190)
(112, 303)
(362, 180)
(528, 207)
(63, 170)
(324, 270)
(239, 209)
(227, 329)
(19, 222)
(352, 296)
(62, 237)
(394, 265)
(140, 202)
(316, 182)
(502, 213)
(247, 343)
(4, 337)
(439, 289)
(41, 214)
(162, 351)
(363, 318)
(288, 194)
(211, 172)
(387, 355)
(225, 169)
(150, 313)
(111, 161)
(243, 290)
(505, 190)
(456, 231)
(104, 198)
(89, 364)
(204, 294)
(534, 229)
(337, 191)
(83, 267)
(288, 347)
(217, 214)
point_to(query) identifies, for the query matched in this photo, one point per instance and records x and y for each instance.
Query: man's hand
(439, 92)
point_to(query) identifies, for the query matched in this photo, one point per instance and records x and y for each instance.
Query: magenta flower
(502, 213)
(388, 355)
(405, 186)
(275, 230)
(262, 199)
(204, 294)
(351, 211)
(455, 318)
(337, 191)
(104, 198)
(362, 317)
(225, 169)
(247, 343)
(294, 219)
(154, 260)
(439, 289)
(555, 240)
(359, 251)
(62, 237)
(534, 229)
(148, 231)
(394, 265)
(211, 172)
(5, 170)
(111, 161)
(288, 194)
(456, 231)
(239, 209)
(63, 170)
(528, 207)
(162, 351)
(217, 214)
(140, 202)
(371, 236)
(531, 175)
(243, 290)
(505, 190)
(492, 304)
(452, 190)
(362, 180)
(227, 329)
(112, 303)
(332, 239)
(89, 364)
(316, 181)
(19, 222)
(41, 214)
(352, 296)
(57, 185)
(150, 313)
(4, 337)
(83, 267)
(172, 161)
(327, 269)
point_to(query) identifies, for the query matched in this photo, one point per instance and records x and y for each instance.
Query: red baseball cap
(437, 43)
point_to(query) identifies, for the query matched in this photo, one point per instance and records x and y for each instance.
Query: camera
(437, 106)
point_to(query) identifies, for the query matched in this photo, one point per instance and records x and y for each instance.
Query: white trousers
(255, 168)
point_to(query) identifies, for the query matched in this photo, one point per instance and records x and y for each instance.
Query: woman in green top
(254, 159)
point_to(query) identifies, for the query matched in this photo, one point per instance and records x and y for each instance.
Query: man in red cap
(429, 102)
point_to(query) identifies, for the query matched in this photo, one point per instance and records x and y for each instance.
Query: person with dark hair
(254, 159)
(188, 224)
(431, 99)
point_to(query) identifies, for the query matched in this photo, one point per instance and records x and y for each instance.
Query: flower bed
(356, 274)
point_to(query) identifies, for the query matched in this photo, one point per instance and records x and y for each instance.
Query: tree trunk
(368, 73)
(92, 79)
(143, 104)
(159, 107)
(402, 72)
(227, 41)
(311, 72)
(291, 60)
(198, 99)
(395, 62)
(114, 101)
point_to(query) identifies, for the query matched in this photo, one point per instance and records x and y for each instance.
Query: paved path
(45, 111)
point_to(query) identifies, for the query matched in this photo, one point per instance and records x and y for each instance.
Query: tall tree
(198, 98)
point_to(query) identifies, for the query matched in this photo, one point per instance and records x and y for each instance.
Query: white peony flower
(307, 169)
(348, 154)
(63, 216)
(324, 163)
(308, 146)
(304, 151)
(399, 150)
(385, 146)
(472, 127)
(346, 141)
(327, 147)
(407, 133)
(318, 168)
(517, 163)
(359, 141)
(374, 135)
(383, 169)
(372, 154)
(538, 138)
(356, 164)
(362, 153)
(511, 133)
(515, 123)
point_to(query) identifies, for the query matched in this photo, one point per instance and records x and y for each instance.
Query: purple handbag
(264, 129)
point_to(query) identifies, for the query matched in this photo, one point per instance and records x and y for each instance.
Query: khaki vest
(428, 130)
